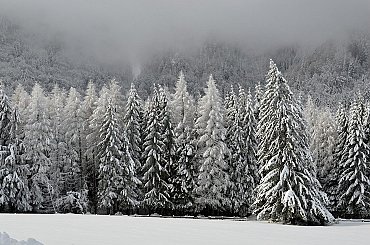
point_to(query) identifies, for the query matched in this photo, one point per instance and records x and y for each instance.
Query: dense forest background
(330, 71)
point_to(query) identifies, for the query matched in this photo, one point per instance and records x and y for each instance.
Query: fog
(114, 30)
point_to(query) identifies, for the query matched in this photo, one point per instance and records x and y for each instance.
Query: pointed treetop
(181, 76)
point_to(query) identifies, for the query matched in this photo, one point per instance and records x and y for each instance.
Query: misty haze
(184, 122)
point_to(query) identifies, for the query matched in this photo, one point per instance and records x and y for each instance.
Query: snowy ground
(71, 229)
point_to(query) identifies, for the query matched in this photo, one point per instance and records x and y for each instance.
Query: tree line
(263, 153)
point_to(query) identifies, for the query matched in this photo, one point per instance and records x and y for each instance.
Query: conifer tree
(213, 180)
(37, 141)
(14, 193)
(71, 173)
(250, 178)
(182, 113)
(168, 139)
(59, 147)
(288, 191)
(89, 164)
(133, 125)
(155, 179)
(116, 170)
(354, 183)
(332, 181)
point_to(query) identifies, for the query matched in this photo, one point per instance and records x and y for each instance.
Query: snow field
(68, 229)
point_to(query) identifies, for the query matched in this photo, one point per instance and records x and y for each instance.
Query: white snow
(68, 229)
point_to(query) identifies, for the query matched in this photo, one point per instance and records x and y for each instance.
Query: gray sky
(112, 29)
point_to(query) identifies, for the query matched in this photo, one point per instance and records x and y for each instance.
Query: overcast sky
(132, 27)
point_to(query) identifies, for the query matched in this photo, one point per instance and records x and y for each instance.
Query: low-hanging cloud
(116, 30)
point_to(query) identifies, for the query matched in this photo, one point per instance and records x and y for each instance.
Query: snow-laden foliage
(14, 192)
(322, 144)
(38, 146)
(213, 180)
(155, 170)
(288, 191)
(182, 108)
(354, 183)
(133, 126)
(332, 180)
(117, 180)
(242, 143)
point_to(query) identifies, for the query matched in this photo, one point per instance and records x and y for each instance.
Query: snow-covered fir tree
(182, 109)
(248, 172)
(133, 126)
(155, 178)
(14, 193)
(37, 141)
(168, 139)
(213, 179)
(332, 181)
(288, 191)
(116, 170)
(354, 183)
(71, 172)
(89, 164)
(58, 153)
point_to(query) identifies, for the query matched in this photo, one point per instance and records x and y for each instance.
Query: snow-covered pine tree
(14, 173)
(235, 143)
(5, 117)
(14, 194)
(248, 171)
(37, 142)
(58, 152)
(288, 191)
(354, 183)
(213, 180)
(331, 184)
(116, 170)
(155, 179)
(133, 126)
(71, 172)
(89, 165)
(168, 139)
(182, 109)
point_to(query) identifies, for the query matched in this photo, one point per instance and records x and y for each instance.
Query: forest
(219, 130)
(264, 153)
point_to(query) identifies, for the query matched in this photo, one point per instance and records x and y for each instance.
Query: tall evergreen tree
(133, 125)
(89, 164)
(182, 109)
(332, 181)
(37, 141)
(354, 183)
(155, 179)
(213, 179)
(168, 139)
(116, 169)
(14, 193)
(288, 191)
